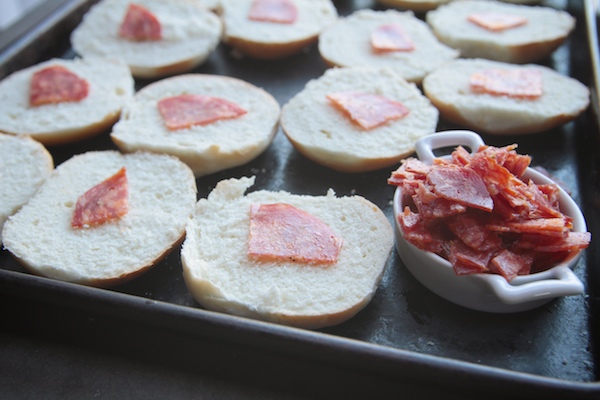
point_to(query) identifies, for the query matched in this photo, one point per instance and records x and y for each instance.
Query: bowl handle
(555, 282)
(427, 144)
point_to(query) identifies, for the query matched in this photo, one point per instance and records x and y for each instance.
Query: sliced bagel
(221, 275)
(327, 136)
(527, 34)
(266, 39)
(109, 86)
(561, 98)
(188, 33)
(24, 166)
(348, 43)
(205, 147)
(161, 193)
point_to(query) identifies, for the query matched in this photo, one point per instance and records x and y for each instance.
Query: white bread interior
(220, 276)
(190, 34)
(563, 99)
(328, 137)
(110, 87)
(162, 194)
(24, 166)
(347, 43)
(268, 40)
(546, 29)
(204, 148)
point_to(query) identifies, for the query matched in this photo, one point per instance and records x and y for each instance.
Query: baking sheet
(406, 329)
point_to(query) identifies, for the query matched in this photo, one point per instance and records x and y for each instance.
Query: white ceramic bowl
(487, 292)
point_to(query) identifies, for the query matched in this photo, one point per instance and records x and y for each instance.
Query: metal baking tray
(407, 336)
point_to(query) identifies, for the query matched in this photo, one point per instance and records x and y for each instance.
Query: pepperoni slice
(366, 109)
(557, 227)
(391, 37)
(505, 156)
(56, 84)
(509, 264)
(140, 24)
(278, 11)
(546, 203)
(281, 232)
(417, 233)
(466, 260)
(471, 230)
(104, 202)
(186, 110)
(411, 170)
(497, 22)
(540, 243)
(518, 83)
(431, 206)
(462, 185)
(461, 156)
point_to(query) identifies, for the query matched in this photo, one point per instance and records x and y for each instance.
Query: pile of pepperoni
(476, 211)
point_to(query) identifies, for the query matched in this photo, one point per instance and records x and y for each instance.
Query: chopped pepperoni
(415, 231)
(470, 228)
(462, 185)
(366, 109)
(277, 11)
(541, 243)
(56, 84)
(543, 261)
(391, 37)
(515, 163)
(467, 260)
(140, 25)
(102, 203)
(522, 83)
(547, 226)
(496, 22)
(411, 169)
(461, 156)
(506, 226)
(509, 264)
(417, 167)
(556, 179)
(281, 232)
(546, 199)
(550, 194)
(431, 206)
(186, 110)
